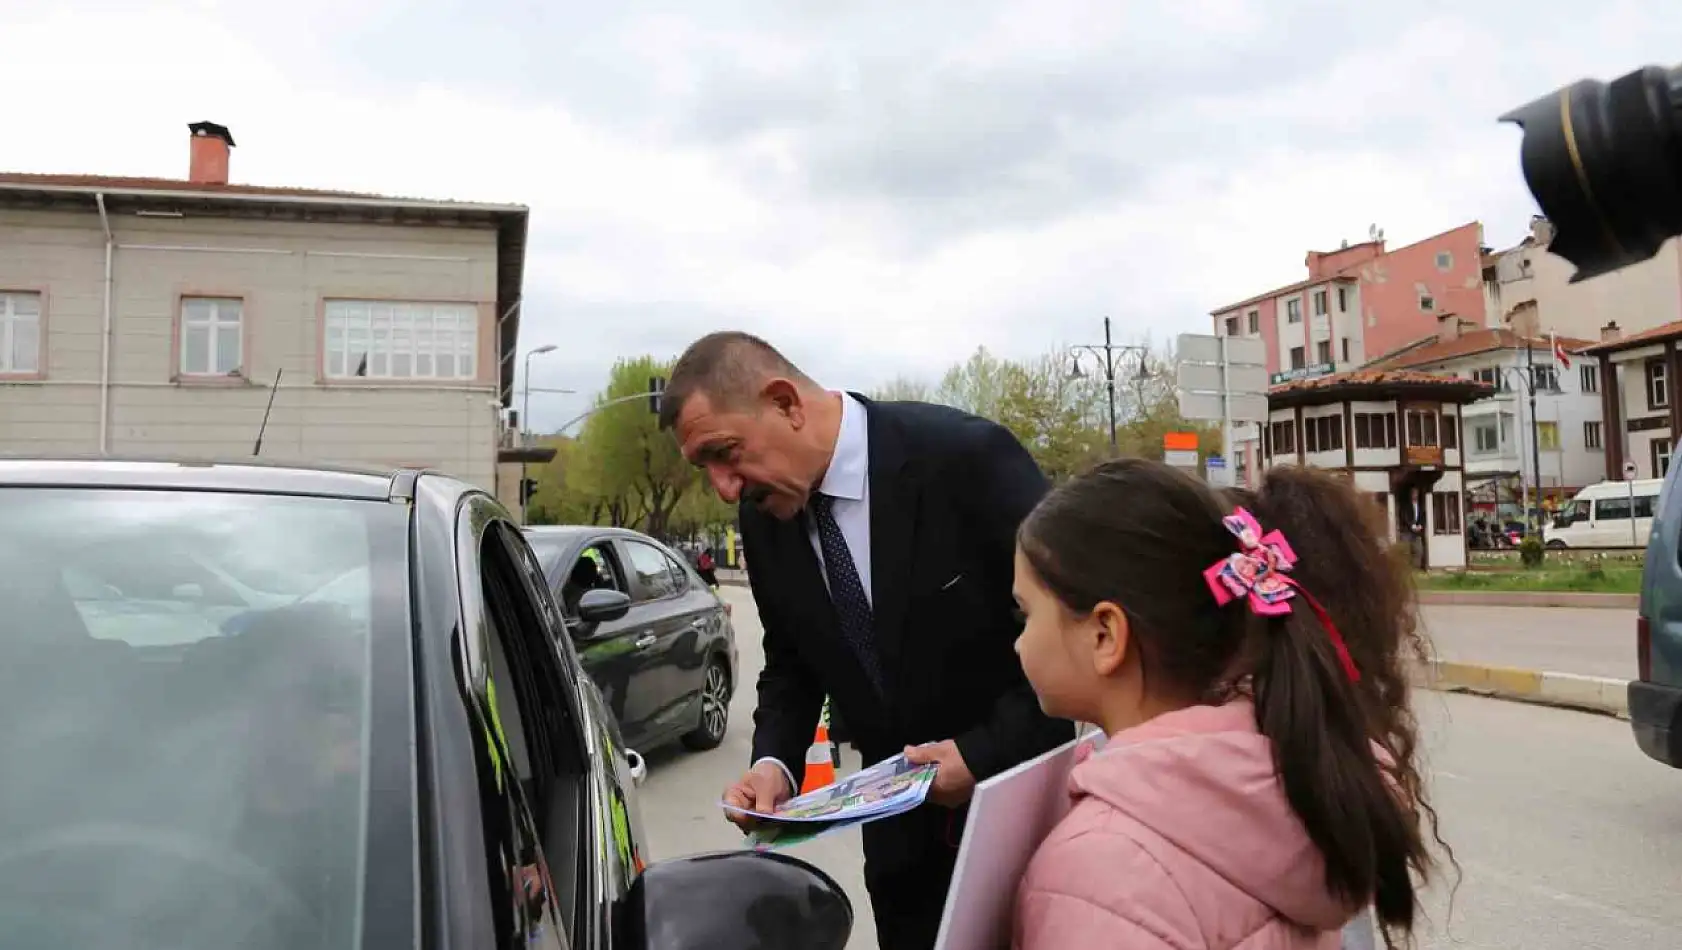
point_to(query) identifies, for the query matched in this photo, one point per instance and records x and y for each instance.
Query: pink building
(1357, 303)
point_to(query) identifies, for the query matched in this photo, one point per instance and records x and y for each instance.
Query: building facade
(1357, 302)
(188, 317)
(1500, 464)
(1530, 290)
(1640, 411)
(1397, 435)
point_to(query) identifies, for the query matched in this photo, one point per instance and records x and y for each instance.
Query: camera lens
(1604, 160)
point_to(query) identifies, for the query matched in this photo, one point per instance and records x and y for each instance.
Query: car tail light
(1643, 649)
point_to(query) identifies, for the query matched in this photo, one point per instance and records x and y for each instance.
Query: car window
(652, 571)
(683, 577)
(535, 768)
(1644, 505)
(1611, 509)
(215, 711)
(595, 568)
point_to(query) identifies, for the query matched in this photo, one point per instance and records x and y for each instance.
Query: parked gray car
(1655, 695)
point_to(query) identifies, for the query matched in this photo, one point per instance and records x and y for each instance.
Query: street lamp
(1527, 374)
(1109, 356)
(525, 419)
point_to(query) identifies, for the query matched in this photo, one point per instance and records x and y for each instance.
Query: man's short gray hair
(730, 367)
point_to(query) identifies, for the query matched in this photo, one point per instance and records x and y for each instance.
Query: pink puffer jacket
(1180, 837)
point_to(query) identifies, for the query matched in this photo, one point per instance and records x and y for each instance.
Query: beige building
(145, 316)
(1528, 290)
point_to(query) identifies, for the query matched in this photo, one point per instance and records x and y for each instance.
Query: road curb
(1599, 694)
(1539, 598)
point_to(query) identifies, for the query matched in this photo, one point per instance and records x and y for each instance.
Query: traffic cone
(820, 761)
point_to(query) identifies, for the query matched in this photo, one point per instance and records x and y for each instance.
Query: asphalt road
(1568, 838)
(1548, 639)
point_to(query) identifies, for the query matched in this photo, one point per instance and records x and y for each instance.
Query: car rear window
(184, 679)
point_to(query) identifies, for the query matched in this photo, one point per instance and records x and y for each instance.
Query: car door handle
(645, 641)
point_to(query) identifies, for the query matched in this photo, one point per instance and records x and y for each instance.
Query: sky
(877, 187)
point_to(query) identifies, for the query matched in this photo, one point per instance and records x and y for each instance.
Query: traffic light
(528, 488)
(656, 387)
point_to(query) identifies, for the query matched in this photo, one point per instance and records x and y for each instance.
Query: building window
(1422, 428)
(1445, 512)
(1658, 386)
(1231, 326)
(1319, 303)
(1375, 430)
(1323, 351)
(1345, 342)
(1545, 378)
(1547, 436)
(1254, 318)
(1323, 434)
(1284, 437)
(1590, 375)
(1427, 303)
(1298, 361)
(1293, 310)
(396, 340)
(1491, 376)
(1591, 435)
(1661, 457)
(1445, 261)
(20, 333)
(212, 335)
(1451, 431)
(1486, 438)
(1343, 300)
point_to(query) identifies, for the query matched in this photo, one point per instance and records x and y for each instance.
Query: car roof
(256, 476)
(569, 532)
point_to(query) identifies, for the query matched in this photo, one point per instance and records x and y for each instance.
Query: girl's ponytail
(1345, 748)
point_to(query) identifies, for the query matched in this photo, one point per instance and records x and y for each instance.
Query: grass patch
(1586, 577)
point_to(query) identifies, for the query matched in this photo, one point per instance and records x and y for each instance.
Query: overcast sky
(879, 187)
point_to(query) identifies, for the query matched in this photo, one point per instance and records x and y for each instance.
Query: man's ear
(783, 396)
(1112, 639)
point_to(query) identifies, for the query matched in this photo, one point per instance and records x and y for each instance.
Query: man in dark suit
(880, 541)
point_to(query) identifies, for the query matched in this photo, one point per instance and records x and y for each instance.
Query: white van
(1608, 515)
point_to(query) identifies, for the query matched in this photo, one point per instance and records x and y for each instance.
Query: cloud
(878, 186)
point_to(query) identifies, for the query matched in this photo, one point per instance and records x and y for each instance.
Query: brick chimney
(1610, 332)
(1448, 327)
(209, 157)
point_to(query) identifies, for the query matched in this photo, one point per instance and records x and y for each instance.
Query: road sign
(1181, 458)
(1179, 441)
(1629, 471)
(1217, 472)
(1221, 378)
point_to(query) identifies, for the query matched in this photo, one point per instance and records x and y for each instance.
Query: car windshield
(183, 682)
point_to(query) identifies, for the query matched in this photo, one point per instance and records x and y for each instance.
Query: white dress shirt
(847, 481)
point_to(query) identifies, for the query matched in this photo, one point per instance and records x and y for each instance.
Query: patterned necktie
(846, 591)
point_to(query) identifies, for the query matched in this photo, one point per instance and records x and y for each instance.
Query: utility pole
(1535, 443)
(525, 423)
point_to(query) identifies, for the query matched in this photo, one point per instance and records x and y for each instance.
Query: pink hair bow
(1257, 572)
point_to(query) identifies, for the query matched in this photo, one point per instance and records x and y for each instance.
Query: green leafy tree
(902, 389)
(636, 470)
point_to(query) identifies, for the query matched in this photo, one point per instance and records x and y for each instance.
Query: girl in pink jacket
(1259, 786)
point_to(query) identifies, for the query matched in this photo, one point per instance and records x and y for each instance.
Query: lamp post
(1109, 354)
(1527, 375)
(525, 420)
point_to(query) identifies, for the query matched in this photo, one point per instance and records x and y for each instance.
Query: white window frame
(10, 322)
(1658, 385)
(225, 315)
(394, 339)
(1545, 377)
(1293, 310)
(1492, 428)
(1591, 435)
(1589, 373)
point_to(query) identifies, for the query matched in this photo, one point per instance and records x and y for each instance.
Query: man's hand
(953, 781)
(762, 789)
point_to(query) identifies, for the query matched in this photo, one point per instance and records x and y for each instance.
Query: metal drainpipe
(105, 336)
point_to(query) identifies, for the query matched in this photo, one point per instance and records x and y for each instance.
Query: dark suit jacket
(947, 492)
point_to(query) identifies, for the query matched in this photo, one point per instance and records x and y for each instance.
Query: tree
(639, 474)
(1039, 401)
(902, 388)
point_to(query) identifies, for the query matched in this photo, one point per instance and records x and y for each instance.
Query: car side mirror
(760, 899)
(602, 606)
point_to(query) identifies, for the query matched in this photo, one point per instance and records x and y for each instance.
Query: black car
(654, 637)
(270, 707)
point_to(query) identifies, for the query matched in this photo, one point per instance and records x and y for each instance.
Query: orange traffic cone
(820, 761)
